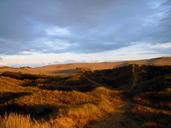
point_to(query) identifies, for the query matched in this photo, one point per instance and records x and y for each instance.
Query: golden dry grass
(31, 106)
(69, 69)
(20, 121)
(70, 109)
(8, 84)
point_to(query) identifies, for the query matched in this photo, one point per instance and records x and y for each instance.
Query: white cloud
(1, 59)
(57, 31)
(49, 44)
(137, 50)
(57, 44)
(162, 45)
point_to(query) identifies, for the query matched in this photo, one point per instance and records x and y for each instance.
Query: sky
(41, 32)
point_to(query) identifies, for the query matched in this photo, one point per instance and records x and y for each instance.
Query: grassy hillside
(70, 69)
(23, 101)
(136, 94)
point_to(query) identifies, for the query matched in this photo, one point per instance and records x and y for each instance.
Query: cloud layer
(82, 26)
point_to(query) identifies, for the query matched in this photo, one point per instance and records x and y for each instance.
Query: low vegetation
(139, 93)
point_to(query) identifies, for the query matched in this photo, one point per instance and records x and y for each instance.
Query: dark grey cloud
(82, 26)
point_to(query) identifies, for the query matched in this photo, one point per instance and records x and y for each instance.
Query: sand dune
(68, 69)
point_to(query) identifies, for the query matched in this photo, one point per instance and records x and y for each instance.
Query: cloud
(135, 50)
(1, 61)
(162, 46)
(157, 3)
(138, 48)
(84, 27)
(57, 44)
(57, 31)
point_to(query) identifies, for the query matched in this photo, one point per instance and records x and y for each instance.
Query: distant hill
(68, 69)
